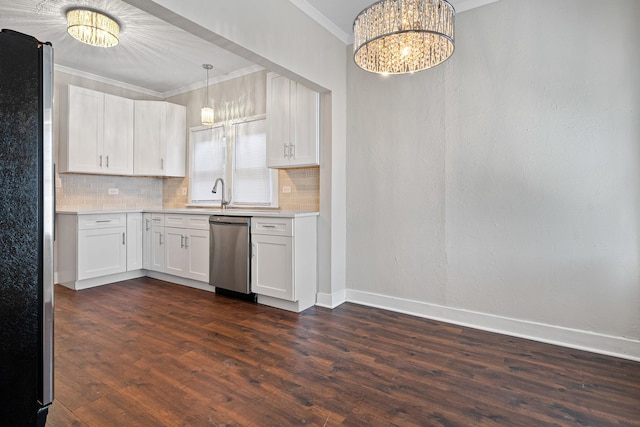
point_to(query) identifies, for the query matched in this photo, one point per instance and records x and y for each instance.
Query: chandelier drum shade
(403, 36)
(92, 27)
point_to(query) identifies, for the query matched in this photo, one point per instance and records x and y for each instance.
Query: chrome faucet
(214, 190)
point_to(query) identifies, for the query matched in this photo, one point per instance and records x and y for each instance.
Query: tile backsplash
(305, 189)
(91, 192)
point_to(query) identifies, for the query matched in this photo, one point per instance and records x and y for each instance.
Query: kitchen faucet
(223, 203)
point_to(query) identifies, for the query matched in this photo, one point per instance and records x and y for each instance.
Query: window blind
(207, 162)
(252, 180)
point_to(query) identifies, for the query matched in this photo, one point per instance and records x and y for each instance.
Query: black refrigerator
(26, 229)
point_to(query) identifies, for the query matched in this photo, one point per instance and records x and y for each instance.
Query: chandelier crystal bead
(403, 36)
(92, 27)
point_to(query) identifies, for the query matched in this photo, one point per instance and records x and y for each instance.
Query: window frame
(230, 130)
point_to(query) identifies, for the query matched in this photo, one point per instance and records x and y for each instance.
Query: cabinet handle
(155, 219)
(100, 160)
(268, 226)
(103, 220)
(292, 151)
(186, 242)
(123, 239)
(162, 164)
(286, 155)
(146, 221)
(253, 250)
(160, 239)
(107, 160)
(182, 241)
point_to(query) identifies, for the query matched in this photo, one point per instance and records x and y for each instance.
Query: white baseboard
(331, 300)
(566, 337)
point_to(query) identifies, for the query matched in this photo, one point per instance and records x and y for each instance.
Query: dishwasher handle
(229, 220)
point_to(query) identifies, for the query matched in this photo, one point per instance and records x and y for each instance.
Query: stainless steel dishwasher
(230, 262)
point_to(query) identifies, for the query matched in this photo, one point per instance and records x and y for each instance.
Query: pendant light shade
(92, 27)
(403, 36)
(206, 112)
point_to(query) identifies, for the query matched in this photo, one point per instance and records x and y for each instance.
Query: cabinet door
(149, 137)
(176, 140)
(134, 241)
(304, 147)
(157, 249)
(175, 252)
(197, 258)
(118, 136)
(272, 266)
(101, 252)
(85, 130)
(147, 239)
(278, 120)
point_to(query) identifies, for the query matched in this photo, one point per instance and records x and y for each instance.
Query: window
(235, 151)
(207, 160)
(252, 180)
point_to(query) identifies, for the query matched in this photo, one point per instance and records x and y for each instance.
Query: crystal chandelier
(92, 27)
(403, 36)
(206, 113)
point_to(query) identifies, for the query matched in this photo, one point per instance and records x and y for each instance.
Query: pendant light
(403, 36)
(206, 113)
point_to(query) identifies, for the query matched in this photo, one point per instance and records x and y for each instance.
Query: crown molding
(163, 95)
(328, 25)
(347, 39)
(105, 80)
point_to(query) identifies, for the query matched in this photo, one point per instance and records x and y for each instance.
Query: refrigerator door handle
(48, 219)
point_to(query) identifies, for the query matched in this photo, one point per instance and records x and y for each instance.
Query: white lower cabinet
(179, 245)
(92, 247)
(157, 248)
(134, 241)
(272, 266)
(188, 253)
(146, 241)
(101, 252)
(283, 261)
(96, 249)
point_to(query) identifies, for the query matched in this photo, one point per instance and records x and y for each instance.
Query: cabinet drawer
(172, 220)
(198, 222)
(193, 222)
(157, 219)
(89, 222)
(272, 226)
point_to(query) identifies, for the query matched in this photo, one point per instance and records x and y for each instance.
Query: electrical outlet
(286, 189)
(113, 191)
(184, 191)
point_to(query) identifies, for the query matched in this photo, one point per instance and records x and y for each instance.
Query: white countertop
(276, 213)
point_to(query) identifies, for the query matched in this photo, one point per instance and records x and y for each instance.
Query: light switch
(286, 189)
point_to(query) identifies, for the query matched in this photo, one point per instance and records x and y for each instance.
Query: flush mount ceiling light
(403, 36)
(206, 113)
(92, 27)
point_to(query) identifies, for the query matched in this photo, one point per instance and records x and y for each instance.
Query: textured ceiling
(153, 55)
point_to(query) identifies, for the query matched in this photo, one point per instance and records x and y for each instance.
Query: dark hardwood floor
(148, 353)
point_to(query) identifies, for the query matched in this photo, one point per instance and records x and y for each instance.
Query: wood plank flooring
(148, 353)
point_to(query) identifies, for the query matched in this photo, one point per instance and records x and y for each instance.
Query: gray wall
(502, 188)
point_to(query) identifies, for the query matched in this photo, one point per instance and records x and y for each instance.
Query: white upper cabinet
(160, 135)
(293, 123)
(96, 133)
